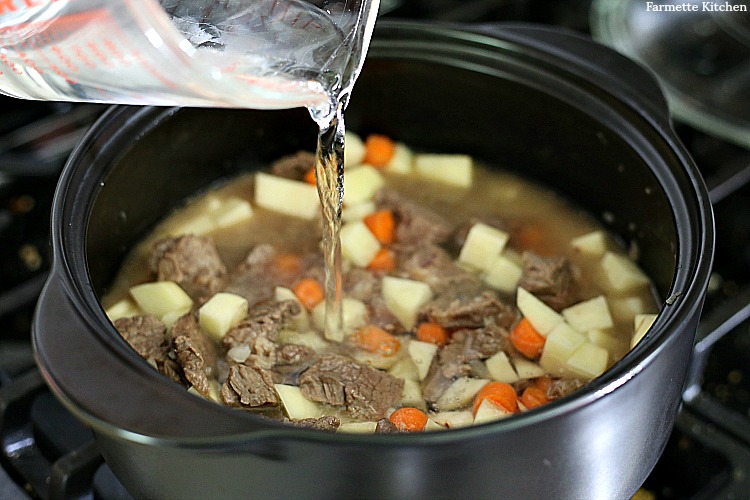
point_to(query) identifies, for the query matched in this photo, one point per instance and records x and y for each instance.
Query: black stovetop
(46, 453)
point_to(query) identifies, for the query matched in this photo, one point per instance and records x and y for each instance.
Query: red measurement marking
(82, 57)
(7, 6)
(15, 68)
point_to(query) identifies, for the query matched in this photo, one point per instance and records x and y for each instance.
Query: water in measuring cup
(261, 54)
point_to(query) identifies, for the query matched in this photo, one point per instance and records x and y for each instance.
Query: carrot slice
(533, 396)
(374, 339)
(545, 384)
(432, 333)
(382, 225)
(527, 340)
(309, 292)
(288, 263)
(310, 177)
(409, 419)
(500, 393)
(533, 237)
(384, 260)
(379, 149)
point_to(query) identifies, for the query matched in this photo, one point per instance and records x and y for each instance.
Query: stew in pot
(470, 295)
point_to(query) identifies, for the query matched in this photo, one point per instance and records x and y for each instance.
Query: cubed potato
(644, 322)
(589, 314)
(456, 170)
(482, 246)
(358, 244)
(621, 275)
(454, 419)
(638, 319)
(431, 425)
(358, 427)
(616, 346)
(489, 412)
(560, 345)
(588, 361)
(541, 316)
(353, 312)
(624, 309)
(593, 244)
(196, 219)
(287, 196)
(198, 225)
(296, 405)
(403, 297)
(361, 183)
(354, 149)
(299, 321)
(513, 256)
(422, 354)
(171, 318)
(231, 211)
(222, 312)
(310, 339)
(161, 297)
(527, 369)
(402, 160)
(405, 369)
(124, 308)
(354, 213)
(500, 368)
(412, 395)
(503, 274)
(214, 392)
(460, 393)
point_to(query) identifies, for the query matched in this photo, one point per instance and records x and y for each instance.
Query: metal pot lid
(699, 51)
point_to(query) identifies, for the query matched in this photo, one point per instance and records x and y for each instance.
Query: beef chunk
(366, 392)
(328, 423)
(173, 371)
(264, 320)
(562, 387)
(462, 307)
(294, 166)
(550, 279)
(291, 359)
(361, 284)
(415, 224)
(385, 426)
(248, 386)
(188, 326)
(193, 262)
(434, 266)
(457, 357)
(193, 365)
(146, 334)
(252, 277)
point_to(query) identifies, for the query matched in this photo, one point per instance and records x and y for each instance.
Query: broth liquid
(329, 174)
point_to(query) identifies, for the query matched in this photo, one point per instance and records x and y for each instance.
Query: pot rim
(692, 216)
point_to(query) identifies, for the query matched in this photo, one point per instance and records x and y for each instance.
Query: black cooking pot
(552, 106)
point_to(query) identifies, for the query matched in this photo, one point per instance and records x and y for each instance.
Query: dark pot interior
(526, 103)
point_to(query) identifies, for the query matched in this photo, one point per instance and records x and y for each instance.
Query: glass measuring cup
(262, 54)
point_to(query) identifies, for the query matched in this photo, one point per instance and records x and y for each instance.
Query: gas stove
(46, 453)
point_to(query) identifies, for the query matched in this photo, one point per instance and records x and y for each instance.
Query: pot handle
(608, 68)
(105, 383)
